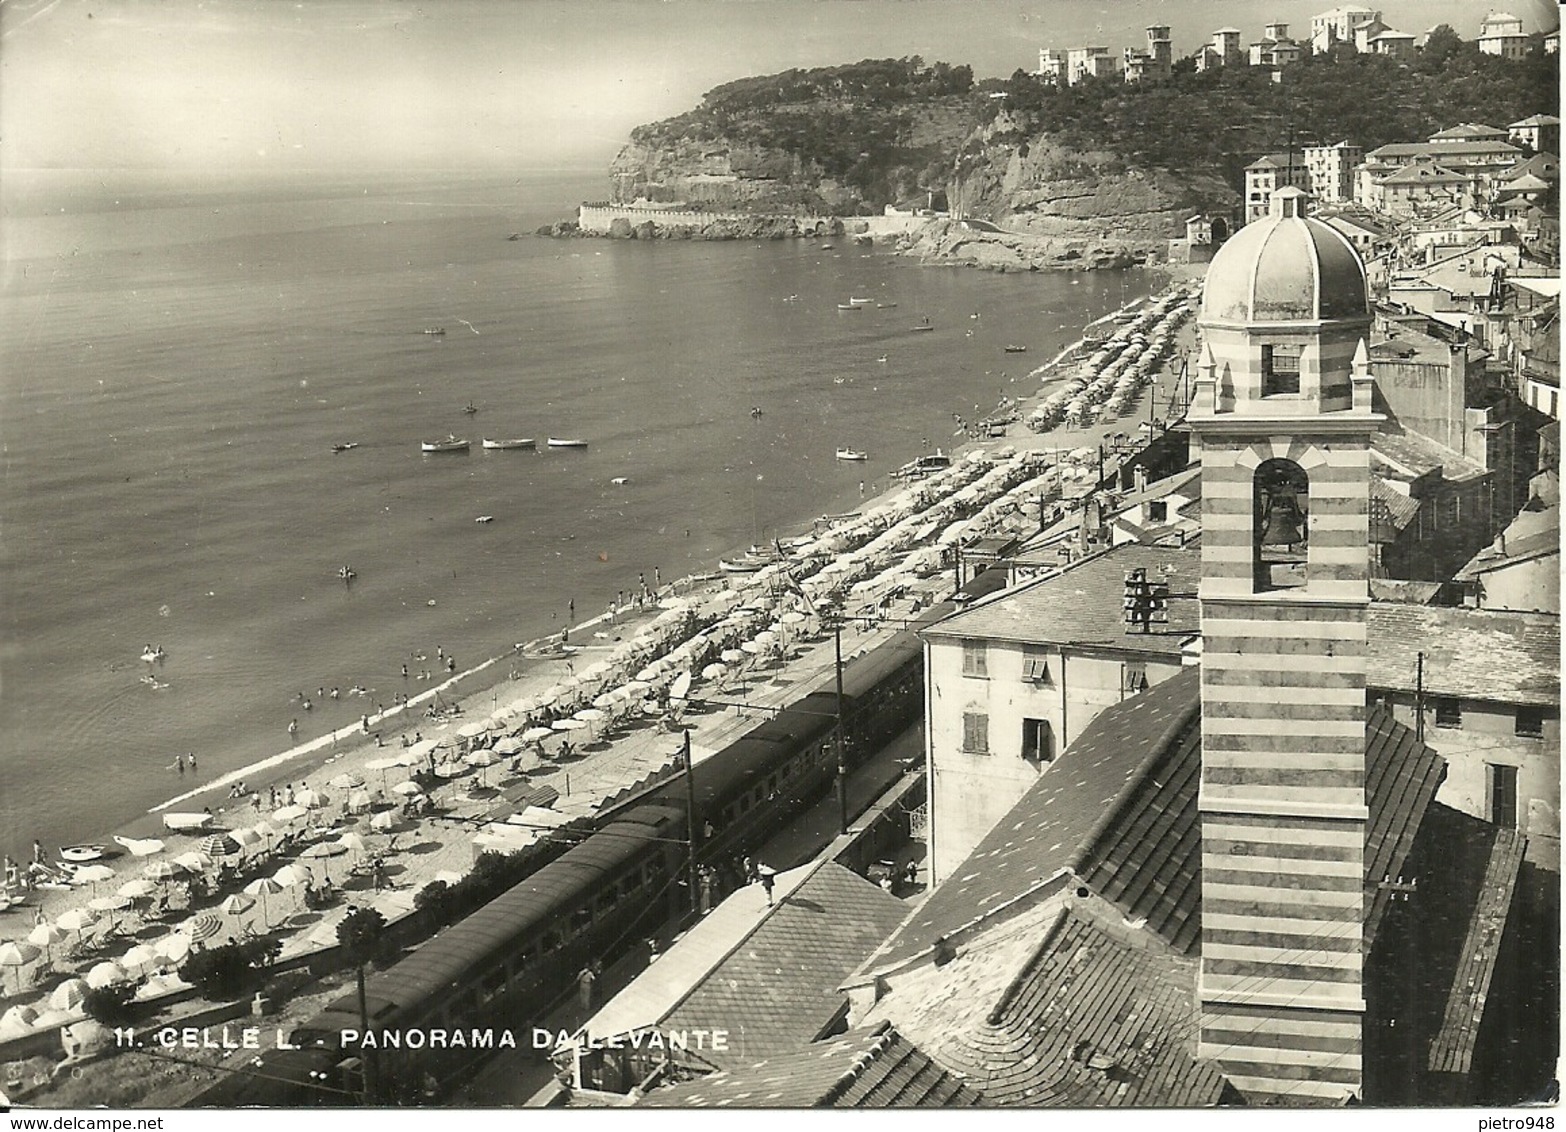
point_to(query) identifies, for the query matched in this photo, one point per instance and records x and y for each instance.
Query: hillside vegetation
(1095, 173)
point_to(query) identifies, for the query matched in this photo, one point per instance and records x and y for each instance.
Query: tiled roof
(774, 970)
(1477, 654)
(1469, 130)
(1118, 811)
(1054, 827)
(1391, 507)
(1404, 591)
(1084, 604)
(1530, 535)
(1441, 941)
(1419, 455)
(1440, 149)
(875, 1068)
(782, 979)
(1090, 1022)
(1424, 173)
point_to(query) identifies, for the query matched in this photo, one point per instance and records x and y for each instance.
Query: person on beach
(179, 763)
(439, 652)
(191, 759)
(271, 798)
(451, 664)
(293, 727)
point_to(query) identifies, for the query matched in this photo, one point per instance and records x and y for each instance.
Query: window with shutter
(1035, 666)
(975, 662)
(976, 733)
(1135, 678)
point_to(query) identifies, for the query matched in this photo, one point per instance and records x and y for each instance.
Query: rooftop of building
(778, 968)
(1278, 161)
(1468, 131)
(1117, 812)
(1448, 150)
(1083, 606)
(1409, 456)
(1537, 120)
(867, 1068)
(1472, 654)
(1531, 535)
(1424, 173)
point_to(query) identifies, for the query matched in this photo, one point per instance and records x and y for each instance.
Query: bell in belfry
(1283, 526)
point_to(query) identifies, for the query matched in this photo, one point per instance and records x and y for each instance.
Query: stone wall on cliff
(726, 177)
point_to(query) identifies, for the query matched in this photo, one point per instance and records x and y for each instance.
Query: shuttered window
(976, 733)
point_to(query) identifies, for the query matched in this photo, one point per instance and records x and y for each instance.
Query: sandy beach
(418, 850)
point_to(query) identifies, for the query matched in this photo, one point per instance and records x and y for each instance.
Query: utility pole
(1419, 698)
(690, 825)
(842, 770)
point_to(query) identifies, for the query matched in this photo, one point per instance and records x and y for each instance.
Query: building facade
(1283, 413)
(1329, 170)
(1338, 25)
(1267, 174)
(1501, 33)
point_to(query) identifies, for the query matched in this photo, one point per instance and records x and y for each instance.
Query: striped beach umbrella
(18, 954)
(263, 887)
(218, 845)
(69, 995)
(204, 927)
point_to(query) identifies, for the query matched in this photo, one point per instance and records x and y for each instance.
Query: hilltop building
(1538, 132)
(1501, 33)
(1223, 51)
(1341, 25)
(1153, 62)
(1275, 49)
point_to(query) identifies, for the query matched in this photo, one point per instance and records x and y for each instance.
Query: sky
(502, 85)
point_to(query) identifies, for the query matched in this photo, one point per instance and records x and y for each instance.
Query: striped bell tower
(1282, 413)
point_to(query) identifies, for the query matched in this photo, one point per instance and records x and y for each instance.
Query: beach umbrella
(510, 745)
(46, 935)
(359, 800)
(236, 905)
(289, 875)
(651, 671)
(536, 734)
(732, 656)
(109, 903)
(18, 1017)
(248, 837)
(290, 814)
(452, 768)
(265, 828)
(750, 647)
(407, 789)
(422, 748)
(93, 874)
(141, 847)
(105, 973)
(714, 672)
(635, 688)
(567, 725)
(346, 781)
(311, 799)
(792, 617)
(76, 920)
(173, 948)
(203, 927)
(385, 764)
(140, 955)
(590, 715)
(472, 730)
(194, 862)
(321, 851)
(263, 887)
(18, 955)
(68, 995)
(218, 845)
(352, 842)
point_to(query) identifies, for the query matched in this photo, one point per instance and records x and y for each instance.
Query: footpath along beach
(493, 737)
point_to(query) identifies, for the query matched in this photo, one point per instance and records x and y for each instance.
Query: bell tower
(1282, 411)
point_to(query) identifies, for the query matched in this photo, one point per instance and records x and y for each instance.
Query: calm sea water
(178, 361)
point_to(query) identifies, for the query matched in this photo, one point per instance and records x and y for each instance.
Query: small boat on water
(347, 573)
(348, 446)
(485, 519)
(852, 454)
(435, 330)
(470, 408)
(80, 853)
(509, 445)
(756, 558)
(884, 306)
(558, 442)
(923, 325)
(924, 465)
(847, 307)
(1015, 349)
(450, 444)
(860, 302)
(186, 823)
(151, 654)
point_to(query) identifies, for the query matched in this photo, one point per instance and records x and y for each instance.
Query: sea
(178, 357)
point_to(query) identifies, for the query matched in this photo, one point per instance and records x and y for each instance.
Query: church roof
(1285, 267)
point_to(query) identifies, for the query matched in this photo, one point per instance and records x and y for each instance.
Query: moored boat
(508, 445)
(347, 446)
(1015, 349)
(77, 853)
(185, 823)
(847, 307)
(852, 454)
(437, 330)
(856, 302)
(450, 444)
(560, 442)
(756, 558)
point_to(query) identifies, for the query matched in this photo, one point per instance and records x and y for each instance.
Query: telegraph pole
(842, 770)
(1419, 697)
(690, 825)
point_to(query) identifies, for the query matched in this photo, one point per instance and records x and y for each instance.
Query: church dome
(1285, 267)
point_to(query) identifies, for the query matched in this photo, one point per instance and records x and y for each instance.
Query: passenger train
(504, 967)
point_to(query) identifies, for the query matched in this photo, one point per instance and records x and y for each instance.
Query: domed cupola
(1285, 267)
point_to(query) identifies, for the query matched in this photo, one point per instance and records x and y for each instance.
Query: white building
(1330, 170)
(1501, 33)
(1338, 25)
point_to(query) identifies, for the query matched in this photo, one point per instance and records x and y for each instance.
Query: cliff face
(1048, 206)
(727, 178)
